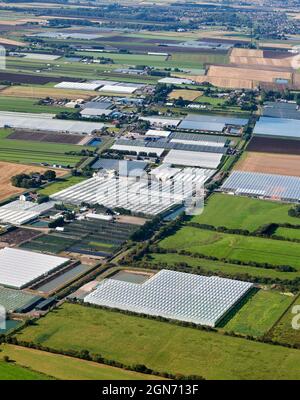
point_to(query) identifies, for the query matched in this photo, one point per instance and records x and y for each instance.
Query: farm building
(195, 138)
(267, 186)
(169, 145)
(193, 158)
(77, 85)
(122, 167)
(281, 110)
(128, 146)
(20, 268)
(21, 212)
(176, 81)
(212, 123)
(157, 133)
(161, 122)
(277, 128)
(137, 195)
(95, 112)
(40, 121)
(12, 299)
(118, 88)
(175, 295)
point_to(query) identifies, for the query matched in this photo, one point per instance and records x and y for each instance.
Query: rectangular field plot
(283, 331)
(274, 145)
(236, 212)
(259, 313)
(228, 270)
(17, 236)
(175, 295)
(50, 243)
(30, 152)
(234, 247)
(280, 164)
(100, 238)
(166, 347)
(49, 137)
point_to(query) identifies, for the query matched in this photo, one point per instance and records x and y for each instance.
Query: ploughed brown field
(278, 146)
(48, 137)
(8, 170)
(281, 164)
(34, 79)
(18, 236)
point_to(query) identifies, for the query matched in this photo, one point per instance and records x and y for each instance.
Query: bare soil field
(185, 94)
(11, 42)
(281, 164)
(278, 146)
(49, 137)
(18, 236)
(41, 93)
(34, 79)
(8, 170)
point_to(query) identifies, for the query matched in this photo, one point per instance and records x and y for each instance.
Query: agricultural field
(12, 371)
(18, 236)
(29, 152)
(283, 331)
(190, 95)
(214, 101)
(277, 146)
(48, 137)
(50, 243)
(8, 170)
(257, 316)
(227, 270)
(166, 347)
(280, 164)
(63, 367)
(16, 104)
(234, 247)
(237, 212)
(39, 92)
(288, 233)
(61, 184)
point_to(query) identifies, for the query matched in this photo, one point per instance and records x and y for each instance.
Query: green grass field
(16, 104)
(162, 346)
(259, 313)
(243, 212)
(234, 247)
(218, 267)
(214, 101)
(288, 233)
(61, 185)
(284, 331)
(27, 152)
(11, 371)
(63, 367)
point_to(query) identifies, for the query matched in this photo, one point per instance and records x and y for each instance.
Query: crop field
(228, 270)
(281, 164)
(12, 371)
(283, 331)
(214, 101)
(289, 233)
(190, 95)
(166, 347)
(16, 104)
(8, 170)
(257, 316)
(97, 237)
(37, 92)
(28, 78)
(50, 243)
(272, 145)
(234, 247)
(237, 212)
(48, 137)
(66, 368)
(29, 152)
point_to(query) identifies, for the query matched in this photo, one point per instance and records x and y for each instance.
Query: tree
(50, 175)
